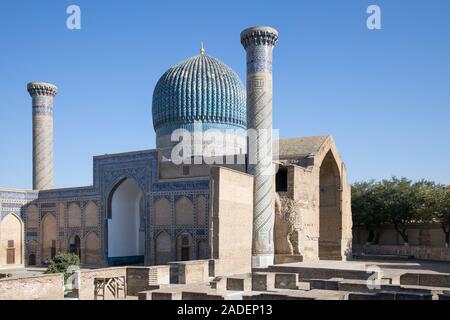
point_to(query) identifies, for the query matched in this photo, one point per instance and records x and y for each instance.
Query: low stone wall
(41, 287)
(187, 272)
(306, 273)
(138, 279)
(86, 281)
(425, 279)
(419, 234)
(143, 278)
(417, 252)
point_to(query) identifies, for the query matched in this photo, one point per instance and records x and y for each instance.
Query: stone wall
(426, 242)
(86, 281)
(142, 278)
(188, 272)
(318, 188)
(42, 287)
(231, 221)
(137, 279)
(429, 235)
(417, 252)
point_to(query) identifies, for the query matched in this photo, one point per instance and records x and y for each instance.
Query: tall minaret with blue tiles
(42, 95)
(259, 43)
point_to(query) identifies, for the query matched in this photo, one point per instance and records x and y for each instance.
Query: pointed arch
(74, 215)
(75, 245)
(48, 237)
(92, 248)
(162, 212)
(126, 235)
(184, 247)
(163, 248)
(91, 215)
(330, 224)
(32, 217)
(184, 211)
(11, 240)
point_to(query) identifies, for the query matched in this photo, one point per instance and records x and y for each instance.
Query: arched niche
(163, 248)
(11, 240)
(330, 224)
(126, 235)
(184, 212)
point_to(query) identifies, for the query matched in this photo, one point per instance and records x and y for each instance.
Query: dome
(200, 89)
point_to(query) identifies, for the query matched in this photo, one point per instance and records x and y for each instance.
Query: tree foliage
(400, 202)
(61, 262)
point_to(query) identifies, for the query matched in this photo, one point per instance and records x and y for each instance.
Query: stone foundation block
(166, 295)
(286, 280)
(239, 284)
(263, 281)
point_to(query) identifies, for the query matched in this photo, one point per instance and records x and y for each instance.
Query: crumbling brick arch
(330, 213)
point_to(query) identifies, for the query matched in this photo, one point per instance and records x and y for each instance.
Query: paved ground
(391, 268)
(23, 272)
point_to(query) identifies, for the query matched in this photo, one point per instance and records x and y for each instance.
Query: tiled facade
(109, 171)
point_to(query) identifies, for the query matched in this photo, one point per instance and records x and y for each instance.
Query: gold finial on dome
(202, 50)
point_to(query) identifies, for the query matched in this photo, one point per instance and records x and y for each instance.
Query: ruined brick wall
(137, 278)
(41, 287)
(141, 278)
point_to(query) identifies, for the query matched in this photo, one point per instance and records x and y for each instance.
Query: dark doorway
(53, 249)
(281, 180)
(185, 248)
(10, 253)
(32, 259)
(75, 246)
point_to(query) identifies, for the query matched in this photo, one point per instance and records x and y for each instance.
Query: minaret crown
(42, 89)
(257, 36)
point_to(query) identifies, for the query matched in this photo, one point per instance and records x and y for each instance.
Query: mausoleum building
(144, 208)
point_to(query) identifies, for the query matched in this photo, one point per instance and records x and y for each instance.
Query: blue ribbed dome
(200, 88)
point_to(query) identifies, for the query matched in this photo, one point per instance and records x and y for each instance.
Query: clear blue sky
(384, 95)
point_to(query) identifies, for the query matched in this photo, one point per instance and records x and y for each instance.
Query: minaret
(259, 43)
(42, 95)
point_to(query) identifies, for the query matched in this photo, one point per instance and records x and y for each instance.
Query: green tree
(61, 262)
(437, 208)
(400, 204)
(367, 208)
